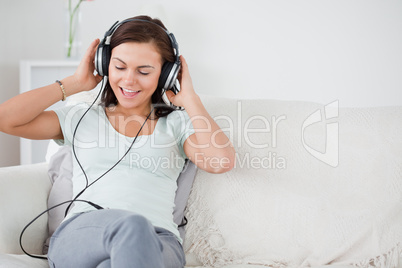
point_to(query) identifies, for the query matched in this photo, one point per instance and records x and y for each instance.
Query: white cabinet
(34, 74)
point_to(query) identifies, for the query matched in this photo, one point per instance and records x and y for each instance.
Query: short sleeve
(183, 128)
(68, 118)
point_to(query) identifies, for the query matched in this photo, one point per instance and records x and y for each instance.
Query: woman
(130, 150)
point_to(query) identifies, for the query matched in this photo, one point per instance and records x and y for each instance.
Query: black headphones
(169, 72)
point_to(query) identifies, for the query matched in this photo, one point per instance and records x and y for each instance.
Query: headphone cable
(86, 177)
(107, 171)
(47, 210)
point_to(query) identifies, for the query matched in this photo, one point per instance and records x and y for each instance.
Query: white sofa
(314, 185)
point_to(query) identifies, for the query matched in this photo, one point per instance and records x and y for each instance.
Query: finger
(98, 78)
(183, 63)
(90, 53)
(183, 60)
(90, 59)
(179, 75)
(94, 48)
(170, 95)
(184, 68)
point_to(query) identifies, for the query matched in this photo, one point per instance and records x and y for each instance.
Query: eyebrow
(142, 66)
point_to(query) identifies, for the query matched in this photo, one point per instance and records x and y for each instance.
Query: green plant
(72, 12)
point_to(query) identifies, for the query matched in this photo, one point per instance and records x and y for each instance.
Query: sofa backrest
(312, 184)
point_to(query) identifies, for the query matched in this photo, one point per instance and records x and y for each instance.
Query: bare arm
(209, 148)
(25, 115)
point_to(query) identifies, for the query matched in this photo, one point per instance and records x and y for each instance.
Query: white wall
(346, 50)
(28, 30)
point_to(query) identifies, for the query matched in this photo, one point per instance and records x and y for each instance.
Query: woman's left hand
(186, 93)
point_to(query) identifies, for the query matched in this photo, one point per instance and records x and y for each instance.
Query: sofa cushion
(21, 261)
(23, 196)
(284, 205)
(60, 174)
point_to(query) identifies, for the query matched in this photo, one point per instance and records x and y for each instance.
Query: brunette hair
(141, 31)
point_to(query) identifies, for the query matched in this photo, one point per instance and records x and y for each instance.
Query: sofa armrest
(23, 195)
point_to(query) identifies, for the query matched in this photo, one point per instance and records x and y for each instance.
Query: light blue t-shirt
(144, 181)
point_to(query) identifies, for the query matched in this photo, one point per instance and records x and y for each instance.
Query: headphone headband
(169, 72)
(102, 62)
(110, 32)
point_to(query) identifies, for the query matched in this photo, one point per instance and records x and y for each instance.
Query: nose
(130, 77)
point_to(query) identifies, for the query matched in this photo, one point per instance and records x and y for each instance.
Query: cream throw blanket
(282, 206)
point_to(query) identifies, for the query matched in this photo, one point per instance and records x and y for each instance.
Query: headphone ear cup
(98, 60)
(106, 60)
(167, 66)
(168, 75)
(102, 59)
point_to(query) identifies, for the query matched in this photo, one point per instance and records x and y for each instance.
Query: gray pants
(113, 238)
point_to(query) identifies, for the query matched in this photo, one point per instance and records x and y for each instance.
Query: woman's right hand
(84, 76)
(24, 115)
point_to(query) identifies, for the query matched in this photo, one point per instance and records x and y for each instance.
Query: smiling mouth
(129, 93)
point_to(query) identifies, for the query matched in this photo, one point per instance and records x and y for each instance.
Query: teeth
(130, 91)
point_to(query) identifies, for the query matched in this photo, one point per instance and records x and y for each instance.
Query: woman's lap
(113, 237)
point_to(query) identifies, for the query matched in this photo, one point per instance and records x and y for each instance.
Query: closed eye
(143, 73)
(145, 69)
